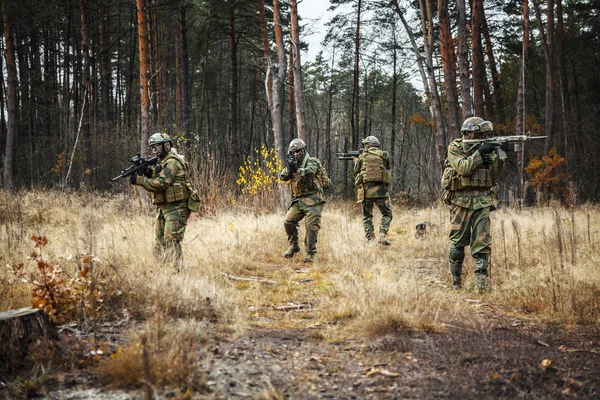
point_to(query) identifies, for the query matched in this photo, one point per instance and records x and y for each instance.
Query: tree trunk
(355, 111)
(11, 130)
(105, 71)
(463, 61)
(547, 44)
(298, 92)
(564, 87)
(520, 126)
(477, 57)
(266, 50)
(498, 109)
(185, 71)
(144, 99)
(233, 90)
(446, 46)
(279, 74)
(87, 119)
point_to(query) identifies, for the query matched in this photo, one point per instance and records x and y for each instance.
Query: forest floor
(512, 357)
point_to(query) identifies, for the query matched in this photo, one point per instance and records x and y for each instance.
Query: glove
(292, 164)
(504, 146)
(133, 179)
(148, 173)
(487, 160)
(487, 148)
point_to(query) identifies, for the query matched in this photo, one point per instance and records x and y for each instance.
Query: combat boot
(293, 249)
(383, 239)
(310, 258)
(480, 280)
(455, 275)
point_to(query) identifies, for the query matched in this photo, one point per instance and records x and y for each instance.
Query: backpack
(449, 183)
(373, 169)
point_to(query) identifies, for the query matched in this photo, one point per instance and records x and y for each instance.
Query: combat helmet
(371, 141)
(476, 124)
(158, 138)
(296, 144)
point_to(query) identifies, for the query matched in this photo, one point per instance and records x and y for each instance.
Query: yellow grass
(353, 289)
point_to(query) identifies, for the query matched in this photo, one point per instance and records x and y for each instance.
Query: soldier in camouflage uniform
(170, 187)
(474, 171)
(372, 176)
(307, 199)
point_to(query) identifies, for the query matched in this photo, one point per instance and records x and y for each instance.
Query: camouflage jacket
(301, 182)
(372, 190)
(171, 184)
(466, 163)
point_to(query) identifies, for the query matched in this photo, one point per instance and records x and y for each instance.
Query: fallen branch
(249, 279)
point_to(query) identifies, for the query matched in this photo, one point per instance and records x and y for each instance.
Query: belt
(471, 192)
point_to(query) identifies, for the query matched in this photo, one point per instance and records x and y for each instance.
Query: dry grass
(544, 265)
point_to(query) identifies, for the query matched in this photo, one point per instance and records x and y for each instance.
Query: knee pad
(456, 254)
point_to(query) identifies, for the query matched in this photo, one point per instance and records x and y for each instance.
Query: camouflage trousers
(469, 228)
(383, 203)
(300, 208)
(169, 229)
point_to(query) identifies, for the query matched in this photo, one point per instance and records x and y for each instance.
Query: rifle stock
(349, 155)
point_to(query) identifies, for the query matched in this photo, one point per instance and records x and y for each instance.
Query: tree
(297, 65)
(144, 98)
(11, 100)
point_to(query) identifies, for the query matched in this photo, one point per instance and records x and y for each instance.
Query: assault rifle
(139, 165)
(502, 143)
(349, 155)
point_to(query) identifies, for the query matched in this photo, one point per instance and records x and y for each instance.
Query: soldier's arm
(164, 179)
(463, 164)
(357, 166)
(310, 169)
(387, 160)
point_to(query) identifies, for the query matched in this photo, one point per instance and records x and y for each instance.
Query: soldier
(307, 199)
(170, 188)
(475, 171)
(372, 176)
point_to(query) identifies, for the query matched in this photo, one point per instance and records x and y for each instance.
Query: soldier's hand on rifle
(292, 164)
(487, 160)
(487, 148)
(148, 172)
(504, 145)
(133, 179)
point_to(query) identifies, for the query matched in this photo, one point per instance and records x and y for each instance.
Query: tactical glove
(148, 173)
(487, 148)
(133, 179)
(487, 160)
(292, 164)
(504, 145)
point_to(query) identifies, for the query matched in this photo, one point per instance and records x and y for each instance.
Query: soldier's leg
(459, 235)
(293, 216)
(481, 240)
(176, 218)
(367, 218)
(386, 219)
(313, 224)
(159, 236)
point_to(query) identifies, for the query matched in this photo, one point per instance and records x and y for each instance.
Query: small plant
(258, 178)
(60, 297)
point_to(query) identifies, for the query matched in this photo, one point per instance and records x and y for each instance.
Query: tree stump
(26, 335)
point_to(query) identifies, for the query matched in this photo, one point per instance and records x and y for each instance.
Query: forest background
(86, 82)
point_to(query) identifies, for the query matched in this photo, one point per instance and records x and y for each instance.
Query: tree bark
(11, 129)
(463, 61)
(279, 73)
(298, 92)
(477, 57)
(144, 99)
(564, 87)
(185, 71)
(496, 84)
(105, 71)
(233, 90)
(355, 110)
(520, 125)
(446, 46)
(547, 44)
(88, 115)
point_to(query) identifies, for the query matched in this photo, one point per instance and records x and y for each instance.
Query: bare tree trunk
(496, 84)
(547, 44)
(11, 130)
(279, 74)
(463, 61)
(446, 46)
(355, 111)
(185, 70)
(298, 92)
(144, 99)
(441, 142)
(291, 116)
(86, 127)
(477, 57)
(105, 65)
(521, 98)
(266, 51)
(394, 95)
(233, 89)
(564, 87)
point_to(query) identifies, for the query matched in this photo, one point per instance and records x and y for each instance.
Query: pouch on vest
(193, 200)
(372, 168)
(321, 178)
(177, 192)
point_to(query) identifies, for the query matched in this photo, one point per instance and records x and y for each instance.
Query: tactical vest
(373, 169)
(180, 188)
(302, 185)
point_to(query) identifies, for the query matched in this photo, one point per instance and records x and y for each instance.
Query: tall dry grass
(544, 264)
